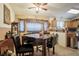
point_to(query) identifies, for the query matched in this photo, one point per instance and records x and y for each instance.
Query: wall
(2, 32)
(5, 27)
(7, 44)
(31, 17)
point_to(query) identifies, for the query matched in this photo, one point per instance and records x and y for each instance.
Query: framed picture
(6, 15)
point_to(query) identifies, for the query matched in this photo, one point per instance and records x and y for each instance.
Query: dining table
(41, 40)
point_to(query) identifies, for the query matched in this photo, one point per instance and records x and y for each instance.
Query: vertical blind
(45, 26)
(21, 26)
(34, 27)
(60, 24)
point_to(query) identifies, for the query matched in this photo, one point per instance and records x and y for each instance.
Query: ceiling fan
(42, 6)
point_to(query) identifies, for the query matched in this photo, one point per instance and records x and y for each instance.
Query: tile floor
(60, 51)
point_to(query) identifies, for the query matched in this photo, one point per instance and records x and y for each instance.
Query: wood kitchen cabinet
(71, 24)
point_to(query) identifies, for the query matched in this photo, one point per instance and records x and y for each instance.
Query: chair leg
(33, 53)
(54, 50)
(36, 48)
(19, 54)
(48, 52)
(16, 54)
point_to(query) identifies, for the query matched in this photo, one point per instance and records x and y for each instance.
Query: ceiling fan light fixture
(37, 9)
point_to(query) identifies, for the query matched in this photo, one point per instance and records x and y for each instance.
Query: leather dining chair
(21, 49)
(52, 41)
(49, 43)
(32, 40)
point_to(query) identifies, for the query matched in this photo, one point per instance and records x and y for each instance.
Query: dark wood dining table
(41, 40)
(43, 43)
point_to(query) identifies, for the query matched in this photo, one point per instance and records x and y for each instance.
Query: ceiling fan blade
(44, 9)
(44, 4)
(31, 7)
(37, 4)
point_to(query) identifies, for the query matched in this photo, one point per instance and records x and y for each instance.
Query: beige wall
(5, 27)
(3, 32)
(32, 17)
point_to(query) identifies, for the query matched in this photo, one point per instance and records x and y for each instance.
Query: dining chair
(36, 42)
(22, 49)
(54, 41)
(51, 42)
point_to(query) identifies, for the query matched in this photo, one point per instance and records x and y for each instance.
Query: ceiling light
(73, 11)
(37, 9)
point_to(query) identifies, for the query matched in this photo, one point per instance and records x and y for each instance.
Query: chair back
(16, 40)
(55, 39)
(52, 41)
(49, 42)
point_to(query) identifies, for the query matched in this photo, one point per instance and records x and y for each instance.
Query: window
(34, 26)
(21, 26)
(45, 26)
(60, 25)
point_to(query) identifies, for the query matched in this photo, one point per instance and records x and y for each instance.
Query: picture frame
(6, 15)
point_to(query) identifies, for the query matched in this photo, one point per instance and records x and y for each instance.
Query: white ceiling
(59, 10)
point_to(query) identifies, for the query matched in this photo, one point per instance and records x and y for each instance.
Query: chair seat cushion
(49, 45)
(27, 46)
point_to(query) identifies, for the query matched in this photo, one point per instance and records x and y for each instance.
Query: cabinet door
(71, 24)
